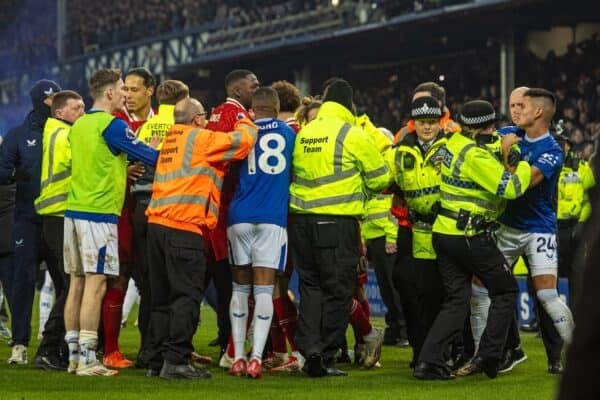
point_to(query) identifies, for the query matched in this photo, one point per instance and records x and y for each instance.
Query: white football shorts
(259, 245)
(539, 248)
(90, 247)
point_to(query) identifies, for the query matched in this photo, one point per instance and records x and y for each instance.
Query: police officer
(335, 166)
(417, 164)
(473, 182)
(574, 208)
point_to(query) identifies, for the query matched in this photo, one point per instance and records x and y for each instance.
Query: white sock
(131, 296)
(238, 314)
(263, 314)
(480, 306)
(72, 339)
(559, 312)
(46, 301)
(371, 336)
(88, 341)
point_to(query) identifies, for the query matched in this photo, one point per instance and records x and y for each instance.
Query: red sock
(277, 337)
(359, 320)
(112, 312)
(366, 307)
(287, 316)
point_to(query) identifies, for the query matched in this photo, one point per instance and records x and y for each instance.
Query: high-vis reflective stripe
(460, 183)
(469, 199)
(411, 194)
(338, 173)
(339, 148)
(51, 201)
(383, 214)
(326, 201)
(51, 177)
(376, 173)
(237, 139)
(461, 159)
(183, 199)
(186, 169)
(506, 177)
(323, 180)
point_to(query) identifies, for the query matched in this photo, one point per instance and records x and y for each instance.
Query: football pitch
(393, 380)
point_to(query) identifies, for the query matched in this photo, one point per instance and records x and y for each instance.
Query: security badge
(447, 160)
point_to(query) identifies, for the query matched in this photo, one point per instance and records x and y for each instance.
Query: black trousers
(30, 250)
(430, 292)
(220, 273)
(176, 269)
(568, 262)
(325, 250)
(140, 272)
(459, 259)
(54, 330)
(406, 279)
(384, 269)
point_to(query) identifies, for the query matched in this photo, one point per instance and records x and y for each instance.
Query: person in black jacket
(20, 162)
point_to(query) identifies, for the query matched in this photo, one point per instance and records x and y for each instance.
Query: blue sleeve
(120, 138)
(549, 162)
(505, 130)
(9, 156)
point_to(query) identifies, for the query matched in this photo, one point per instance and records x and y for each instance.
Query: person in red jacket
(240, 85)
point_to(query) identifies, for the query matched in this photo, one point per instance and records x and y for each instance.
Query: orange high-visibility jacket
(189, 174)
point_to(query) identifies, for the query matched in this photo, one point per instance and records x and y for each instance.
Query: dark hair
(328, 83)
(289, 96)
(61, 98)
(434, 89)
(171, 91)
(145, 74)
(540, 92)
(101, 79)
(236, 75)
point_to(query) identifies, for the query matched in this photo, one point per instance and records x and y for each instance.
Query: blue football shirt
(262, 194)
(535, 211)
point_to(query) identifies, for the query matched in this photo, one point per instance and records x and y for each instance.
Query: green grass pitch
(393, 380)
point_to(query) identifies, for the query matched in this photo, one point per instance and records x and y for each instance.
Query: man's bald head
(187, 110)
(515, 103)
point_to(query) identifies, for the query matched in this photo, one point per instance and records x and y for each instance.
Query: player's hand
(361, 267)
(391, 248)
(508, 140)
(135, 171)
(155, 142)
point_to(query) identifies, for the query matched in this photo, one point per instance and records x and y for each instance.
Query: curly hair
(289, 96)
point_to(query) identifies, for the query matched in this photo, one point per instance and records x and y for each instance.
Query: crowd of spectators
(574, 77)
(27, 34)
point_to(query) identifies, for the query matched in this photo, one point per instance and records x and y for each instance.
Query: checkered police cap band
(425, 107)
(478, 120)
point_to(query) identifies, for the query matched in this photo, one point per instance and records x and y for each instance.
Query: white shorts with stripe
(259, 245)
(90, 247)
(540, 249)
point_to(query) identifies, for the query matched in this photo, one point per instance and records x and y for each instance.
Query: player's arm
(232, 146)
(120, 138)
(547, 165)
(536, 176)
(485, 170)
(9, 158)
